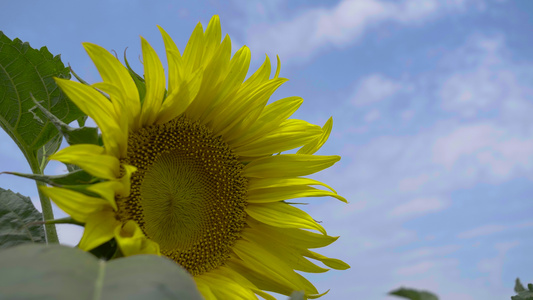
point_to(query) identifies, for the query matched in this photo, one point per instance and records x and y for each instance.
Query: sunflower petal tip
(89, 46)
(278, 68)
(314, 296)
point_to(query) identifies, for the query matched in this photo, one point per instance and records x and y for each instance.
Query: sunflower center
(187, 194)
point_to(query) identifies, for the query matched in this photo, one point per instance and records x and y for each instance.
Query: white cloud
(340, 25)
(483, 80)
(374, 88)
(372, 116)
(428, 252)
(419, 268)
(493, 266)
(411, 184)
(482, 231)
(491, 150)
(418, 206)
(490, 229)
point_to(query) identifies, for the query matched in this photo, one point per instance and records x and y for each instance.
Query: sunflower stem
(48, 214)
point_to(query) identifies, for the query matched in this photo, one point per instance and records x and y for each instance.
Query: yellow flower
(195, 173)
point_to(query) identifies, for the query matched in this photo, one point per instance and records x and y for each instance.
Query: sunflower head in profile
(191, 168)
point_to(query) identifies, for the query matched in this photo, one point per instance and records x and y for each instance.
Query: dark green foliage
(20, 222)
(414, 294)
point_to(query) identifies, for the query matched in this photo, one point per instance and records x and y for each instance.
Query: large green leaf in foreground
(17, 220)
(25, 71)
(59, 272)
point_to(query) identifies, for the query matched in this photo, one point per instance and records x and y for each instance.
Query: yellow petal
(270, 266)
(260, 76)
(204, 288)
(289, 135)
(237, 70)
(288, 165)
(259, 279)
(174, 61)
(100, 109)
(278, 67)
(313, 146)
(77, 205)
(271, 117)
(132, 240)
(282, 215)
(91, 158)
(194, 51)
(155, 84)
(180, 99)
(213, 76)
(292, 256)
(108, 191)
(262, 183)
(304, 239)
(113, 72)
(225, 288)
(213, 34)
(243, 105)
(333, 263)
(99, 228)
(118, 103)
(228, 272)
(288, 192)
(125, 180)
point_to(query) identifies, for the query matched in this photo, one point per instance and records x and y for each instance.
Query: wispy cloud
(482, 231)
(493, 266)
(483, 81)
(341, 25)
(490, 229)
(374, 88)
(404, 176)
(418, 206)
(496, 153)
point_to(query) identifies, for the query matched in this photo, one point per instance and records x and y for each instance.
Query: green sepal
(138, 79)
(77, 177)
(67, 220)
(48, 149)
(82, 135)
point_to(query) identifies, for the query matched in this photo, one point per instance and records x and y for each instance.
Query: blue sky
(431, 100)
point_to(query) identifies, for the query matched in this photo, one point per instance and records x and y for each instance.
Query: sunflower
(195, 173)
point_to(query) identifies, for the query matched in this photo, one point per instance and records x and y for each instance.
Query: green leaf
(25, 71)
(59, 272)
(17, 220)
(518, 287)
(414, 294)
(523, 294)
